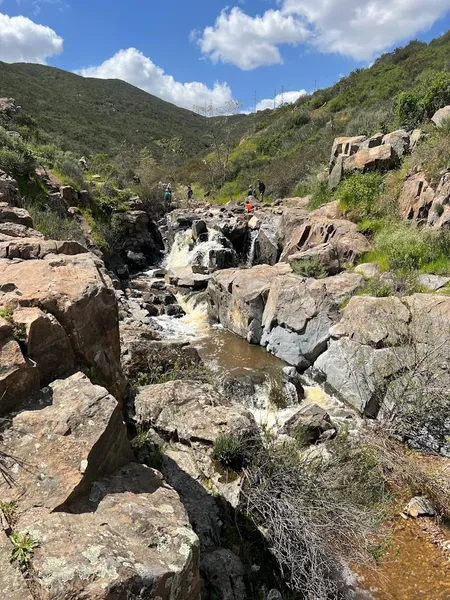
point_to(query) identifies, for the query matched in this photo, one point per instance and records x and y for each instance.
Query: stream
(408, 567)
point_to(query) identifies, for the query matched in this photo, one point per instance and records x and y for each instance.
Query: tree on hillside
(220, 135)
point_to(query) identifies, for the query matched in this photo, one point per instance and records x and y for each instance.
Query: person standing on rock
(261, 189)
(168, 196)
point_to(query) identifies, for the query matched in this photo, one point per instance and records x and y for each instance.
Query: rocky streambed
(114, 390)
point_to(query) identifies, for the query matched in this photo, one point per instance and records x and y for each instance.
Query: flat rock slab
(76, 435)
(432, 283)
(77, 291)
(131, 539)
(12, 582)
(185, 277)
(190, 411)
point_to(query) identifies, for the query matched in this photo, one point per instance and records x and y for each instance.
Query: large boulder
(379, 341)
(72, 435)
(399, 141)
(416, 197)
(380, 158)
(189, 412)
(79, 294)
(299, 313)
(345, 146)
(130, 539)
(187, 277)
(267, 246)
(9, 191)
(343, 235)
(236, 298)
(11, 214)
(441, 116)
(47, 344)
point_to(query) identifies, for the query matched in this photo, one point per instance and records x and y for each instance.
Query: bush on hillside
(17, 162)
(359, 194)
(405, 247)
(432, 94)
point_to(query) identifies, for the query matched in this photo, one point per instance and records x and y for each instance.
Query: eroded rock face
(190, 411)
(236, 298)
(77, 291)
(343, 235)
(381, 338)
(9, 191)
(130, 540)
(299, 313)
(75, 433)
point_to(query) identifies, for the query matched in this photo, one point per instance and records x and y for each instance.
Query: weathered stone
(416, 197)
(373, 141)
(399, 140)
(441, 116)
(337, 173)
(187, 277)
(74, 435)
(381, 338)
(308, 424)
(368, 270)
(297, 319)
(345, 146)
(131, 540)
(432, 283)
(291, 375)
(19, 378)
(16, 230)
(189, 411)
(379, 158)
(9, 191)
(324, 254)
(237, 298)
(77, 291)
(344, 236)
(415, 138)
(226, 573)
(420, 507)
(19, 216)
(267, 248)
(47, 344)
(198, 228)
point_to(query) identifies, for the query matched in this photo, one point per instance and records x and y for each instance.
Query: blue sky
(202, 51)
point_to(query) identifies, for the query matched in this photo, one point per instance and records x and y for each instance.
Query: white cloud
(23, 40)
(360, 29)
(132, 66)
(250, 42)
(284, 98)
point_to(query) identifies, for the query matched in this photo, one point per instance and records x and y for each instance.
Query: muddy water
(410, 568)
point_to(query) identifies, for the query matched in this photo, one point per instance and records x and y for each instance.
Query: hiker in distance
(261, 189)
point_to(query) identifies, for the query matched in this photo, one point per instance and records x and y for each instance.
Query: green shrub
(229, 452)
(320, 194)
(53, 226)
(16, 162)
(404, 247)
(409, 110)
(359, 194)
(23, 548)
(309, 267)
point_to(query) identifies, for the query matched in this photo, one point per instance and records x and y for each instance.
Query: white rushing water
(184, 253)
(251, 251)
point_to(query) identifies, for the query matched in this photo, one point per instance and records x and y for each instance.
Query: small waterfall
(251, 252)
(180, 251)
(184, 253)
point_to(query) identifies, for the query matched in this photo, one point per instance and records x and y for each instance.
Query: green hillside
(94, 115)
(288, 146)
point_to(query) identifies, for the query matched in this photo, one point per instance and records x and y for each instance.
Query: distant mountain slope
(94, 115)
